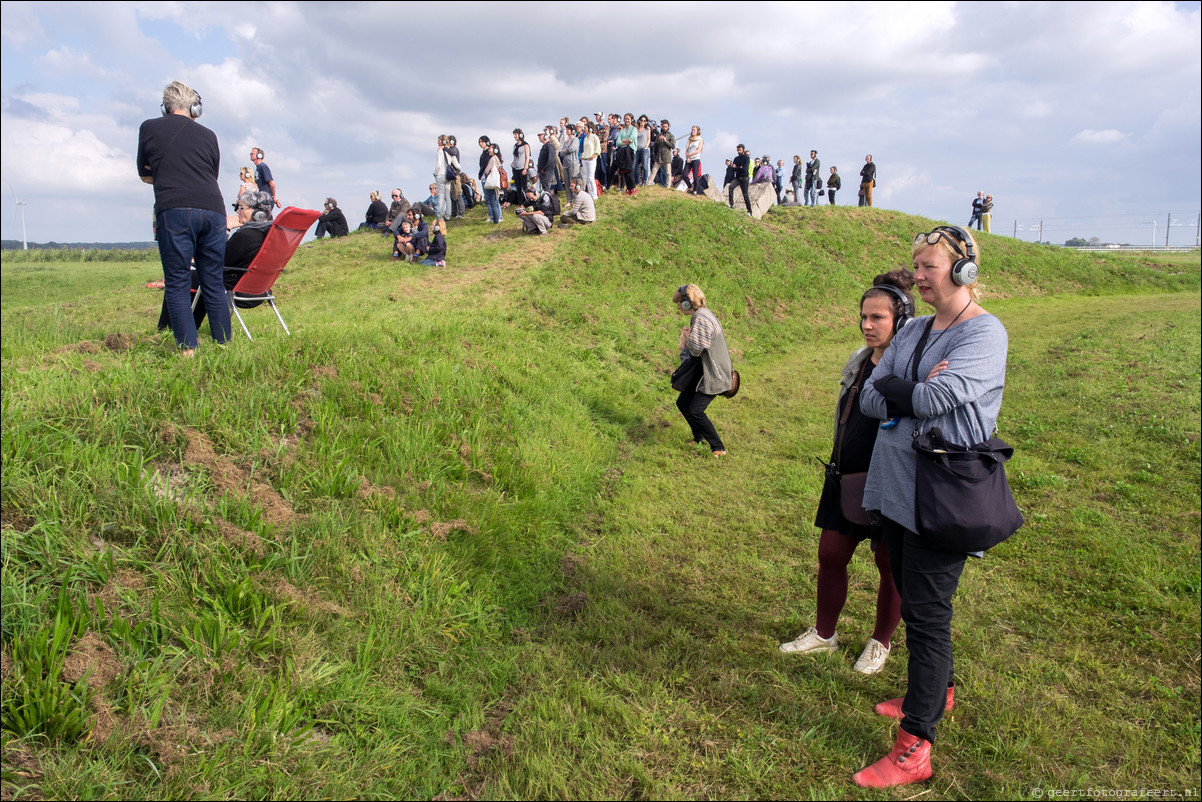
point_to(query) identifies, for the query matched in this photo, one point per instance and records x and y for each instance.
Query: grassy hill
(445, 538)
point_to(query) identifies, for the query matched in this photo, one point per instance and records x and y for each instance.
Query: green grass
(445, 538)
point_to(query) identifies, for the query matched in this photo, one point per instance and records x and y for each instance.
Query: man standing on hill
(741, 164)
(180, 158)
(263, 179)
(867, 180)
(665, 143)
(977, 203)
(813, 179)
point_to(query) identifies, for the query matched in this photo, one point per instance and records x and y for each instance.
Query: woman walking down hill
(884, 309)
(702, 339)
(947, 372)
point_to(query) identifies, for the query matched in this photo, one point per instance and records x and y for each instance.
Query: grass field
(446, 540)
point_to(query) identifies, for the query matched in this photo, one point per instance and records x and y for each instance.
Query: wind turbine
(21, 209)
(1153, 222)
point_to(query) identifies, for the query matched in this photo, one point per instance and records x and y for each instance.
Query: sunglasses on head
(950, 235)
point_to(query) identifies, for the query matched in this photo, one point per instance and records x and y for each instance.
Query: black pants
(741, 183)
(926, 579)
(519, 183)
(692, 406)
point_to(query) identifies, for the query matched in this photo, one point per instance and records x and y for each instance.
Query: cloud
(1107, 137)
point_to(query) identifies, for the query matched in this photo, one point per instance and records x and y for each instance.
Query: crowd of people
(944, 372)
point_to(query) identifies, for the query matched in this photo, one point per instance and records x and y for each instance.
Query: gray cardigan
(707, 341)
(963, 402)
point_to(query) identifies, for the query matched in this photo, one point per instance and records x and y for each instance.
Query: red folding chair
(287, 230)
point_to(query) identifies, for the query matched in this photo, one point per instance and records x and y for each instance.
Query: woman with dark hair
(884, 309)
(624, 155)
(702, 339)
(521, 162)
(491, 162)
(332, 221)
(455, 185)
(250, 223)
(946, 371)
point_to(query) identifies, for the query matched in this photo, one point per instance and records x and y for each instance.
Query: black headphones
(195, 110)
(964, 271)
(685, 303)
(907, 305)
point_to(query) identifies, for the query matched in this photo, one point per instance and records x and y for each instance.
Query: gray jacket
(963, 401)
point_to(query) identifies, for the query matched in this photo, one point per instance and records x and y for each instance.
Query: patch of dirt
(90, 366)
(324, 371)
(172, 743)
(440, 530)
(92, 657)
(367, 490)
(233, 479)
(110, 594)
(84, 347)
(118, 342)
(570, 565)
(752, 311)
(6, 665)
(15, 521)
(420, 517)
(568, 606)
(27, 768)
(482, 742)
(240, 538)
(289, 592)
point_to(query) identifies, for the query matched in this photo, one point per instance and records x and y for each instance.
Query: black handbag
(688, 374)
(962, 501)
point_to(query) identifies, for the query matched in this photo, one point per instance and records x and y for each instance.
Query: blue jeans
(811, 194)
(643, 160)
(494, 205)
(184, 235)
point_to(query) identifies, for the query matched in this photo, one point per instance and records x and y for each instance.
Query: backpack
(504, 178)
(555, 207)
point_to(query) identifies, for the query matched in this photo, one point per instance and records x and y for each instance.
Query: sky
(1087, 117)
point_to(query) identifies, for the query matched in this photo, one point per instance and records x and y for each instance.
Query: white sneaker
(873, 658)
(811, 641)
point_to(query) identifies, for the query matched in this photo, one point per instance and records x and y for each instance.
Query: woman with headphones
(702, 339)
(884, 309)
(947, 371)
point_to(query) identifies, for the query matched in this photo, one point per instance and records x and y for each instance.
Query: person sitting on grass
(332, 221)
(583, 209)
(421, 234)
(437, 255)
(539, 212)
(404, 243)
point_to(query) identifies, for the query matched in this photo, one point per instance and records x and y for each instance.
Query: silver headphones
(685, 303)
(195, 110)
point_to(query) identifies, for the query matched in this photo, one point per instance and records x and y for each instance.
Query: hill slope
(444, 539)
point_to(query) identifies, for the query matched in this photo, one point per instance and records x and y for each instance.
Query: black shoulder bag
(962, 501)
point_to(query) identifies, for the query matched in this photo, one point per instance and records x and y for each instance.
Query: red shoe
(908, 762)
(893, 707)
(634, 193)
